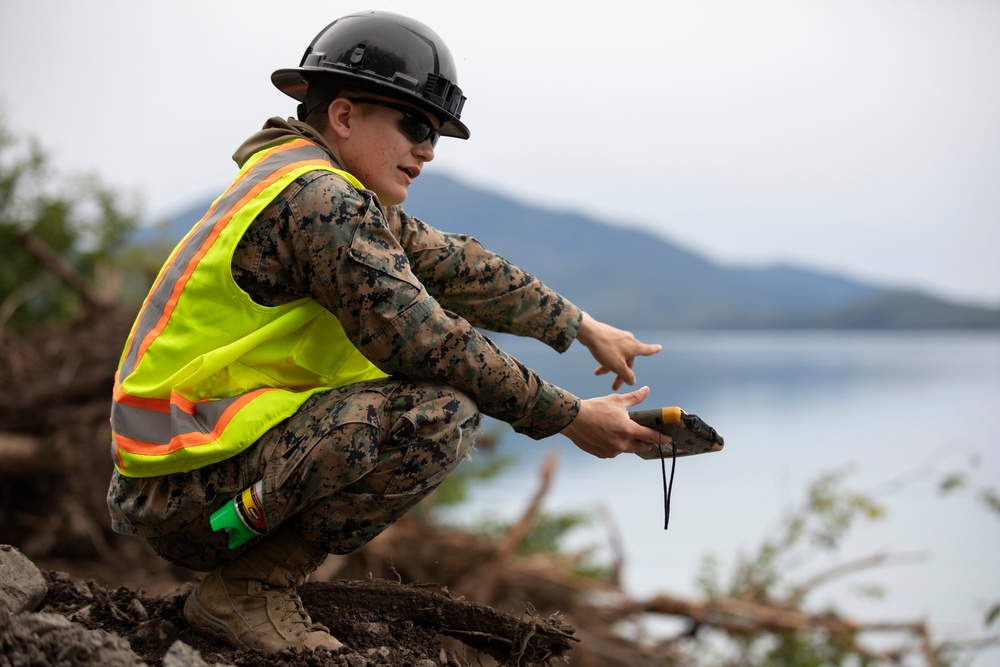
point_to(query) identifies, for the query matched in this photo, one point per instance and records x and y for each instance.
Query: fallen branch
(509, 543)
(750, 618)
(528, 640)
(483, 580)
(616, 544)
(62, 268)
(22, 454)
(845, 569)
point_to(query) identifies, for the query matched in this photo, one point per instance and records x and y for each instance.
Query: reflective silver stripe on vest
(156, 427)
(158, 299)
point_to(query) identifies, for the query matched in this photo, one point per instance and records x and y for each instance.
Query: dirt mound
(382, 624)
(53, 618)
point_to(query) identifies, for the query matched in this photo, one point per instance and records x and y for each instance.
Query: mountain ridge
(637, 279)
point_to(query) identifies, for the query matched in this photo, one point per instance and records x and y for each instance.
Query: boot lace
(293, 612)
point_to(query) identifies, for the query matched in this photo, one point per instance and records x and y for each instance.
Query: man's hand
(615, 350)
(604, 429)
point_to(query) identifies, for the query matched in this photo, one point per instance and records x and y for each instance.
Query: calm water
(904, 409)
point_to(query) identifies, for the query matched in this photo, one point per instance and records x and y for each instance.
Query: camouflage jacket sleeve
(323, 239)
(483, 287)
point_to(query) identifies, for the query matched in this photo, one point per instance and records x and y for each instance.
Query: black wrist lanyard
(667, 488)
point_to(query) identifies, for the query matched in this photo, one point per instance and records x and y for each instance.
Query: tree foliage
(988, 498)
(77, 218)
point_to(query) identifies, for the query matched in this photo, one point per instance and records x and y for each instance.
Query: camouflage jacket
(410, 297)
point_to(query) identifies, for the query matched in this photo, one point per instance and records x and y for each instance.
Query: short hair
(318, 118)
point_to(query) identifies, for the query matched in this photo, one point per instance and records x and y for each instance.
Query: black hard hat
(384, 53)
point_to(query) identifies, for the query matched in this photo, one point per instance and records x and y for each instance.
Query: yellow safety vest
(206, 370)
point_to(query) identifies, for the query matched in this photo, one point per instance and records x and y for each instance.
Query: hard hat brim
(294, 82)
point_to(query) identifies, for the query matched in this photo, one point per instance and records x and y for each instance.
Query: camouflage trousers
(346, 466)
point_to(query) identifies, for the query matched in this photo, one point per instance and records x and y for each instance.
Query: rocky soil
(52, 618)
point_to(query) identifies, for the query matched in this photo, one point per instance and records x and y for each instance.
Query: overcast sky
(856, 136)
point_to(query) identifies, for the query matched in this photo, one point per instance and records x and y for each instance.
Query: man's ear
(339, 115)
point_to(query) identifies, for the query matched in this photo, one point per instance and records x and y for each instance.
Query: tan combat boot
(251, 602)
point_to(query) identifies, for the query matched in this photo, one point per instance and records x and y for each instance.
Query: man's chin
(394, 198)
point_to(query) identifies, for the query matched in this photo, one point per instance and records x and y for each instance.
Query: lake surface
(904, 409)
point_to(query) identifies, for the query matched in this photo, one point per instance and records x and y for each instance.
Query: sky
(859, 137)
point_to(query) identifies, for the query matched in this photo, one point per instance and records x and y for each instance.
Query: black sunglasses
(414, 124)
